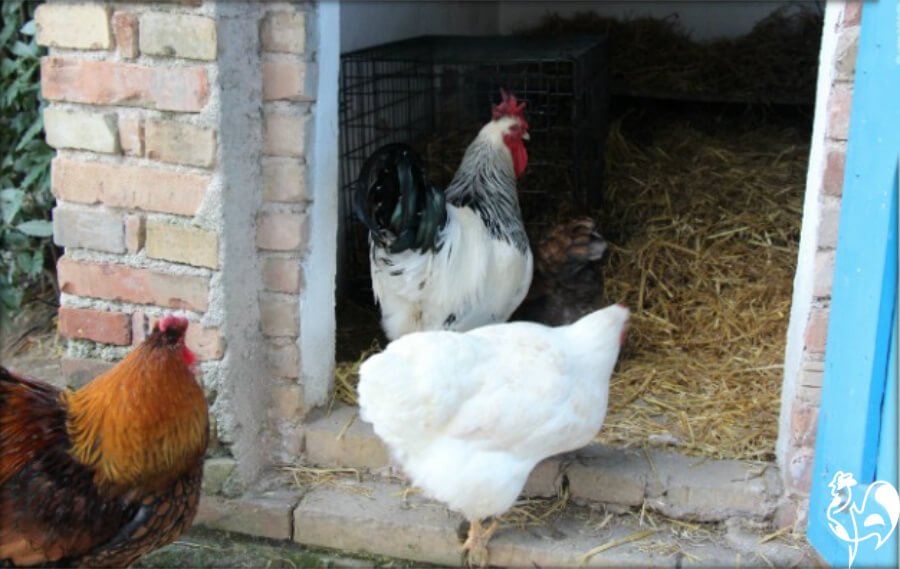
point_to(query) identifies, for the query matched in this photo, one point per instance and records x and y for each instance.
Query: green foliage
(26, 252)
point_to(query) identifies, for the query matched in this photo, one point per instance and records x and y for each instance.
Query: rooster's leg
(475, 548)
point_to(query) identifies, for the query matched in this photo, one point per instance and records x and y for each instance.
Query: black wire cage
(436, 92)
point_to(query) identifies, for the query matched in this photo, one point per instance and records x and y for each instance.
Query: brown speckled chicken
(100, 476)
(568, 278)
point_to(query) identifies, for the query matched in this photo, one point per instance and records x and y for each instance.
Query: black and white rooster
(454, 259)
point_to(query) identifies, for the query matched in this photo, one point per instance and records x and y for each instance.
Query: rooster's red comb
(177, 322)
(508, 106)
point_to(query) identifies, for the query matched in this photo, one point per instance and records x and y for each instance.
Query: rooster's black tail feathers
(396, 201)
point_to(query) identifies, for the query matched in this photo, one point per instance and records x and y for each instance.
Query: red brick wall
(134, 114)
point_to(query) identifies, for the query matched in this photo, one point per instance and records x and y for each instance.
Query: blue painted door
(856, 446)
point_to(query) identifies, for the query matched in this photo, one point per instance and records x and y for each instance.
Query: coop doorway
(690, 160)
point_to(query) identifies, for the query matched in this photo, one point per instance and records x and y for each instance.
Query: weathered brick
(180, 143)
(845, 59)
(78, 371)
(357, 448)
(183, 89)
(215, 472)
(268, 517)
(823, 273)
(284, 180)
(283, 359)
(178, 35)
(182, 244)
(808, 394)
(279, 317)
(852, 12)
(139, 327)
(812, 373)
(377, 522)
(829, 223)
(92, 228)
(125, 28)
(285, 134)
(839, 104)
(281, 231)
(131, 135)
(799, 467)
(833, 179)
(135, 232)
(97, 325)
(206, 343)
(86, 131)
(287, 401)
(281, 274)
(129, 284)
(284, 32)
(284, 80)
(71, 25)
(132, 187)
(817, 330)
(608, 475)
(804, 420)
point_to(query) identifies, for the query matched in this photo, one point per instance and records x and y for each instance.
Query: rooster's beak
(526, 136)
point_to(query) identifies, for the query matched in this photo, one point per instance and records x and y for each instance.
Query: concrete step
(371, 516)
(678, 486)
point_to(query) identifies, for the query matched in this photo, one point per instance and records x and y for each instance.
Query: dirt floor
(200, 548)
(30, 344)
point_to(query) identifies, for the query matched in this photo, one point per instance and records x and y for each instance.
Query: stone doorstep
(678, 486)
(371, 516)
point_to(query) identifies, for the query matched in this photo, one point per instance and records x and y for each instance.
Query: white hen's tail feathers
(599, 326)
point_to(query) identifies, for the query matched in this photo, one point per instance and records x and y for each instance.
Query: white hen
(469, 415)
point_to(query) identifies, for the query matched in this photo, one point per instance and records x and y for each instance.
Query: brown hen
(103, 475)
(568, 278)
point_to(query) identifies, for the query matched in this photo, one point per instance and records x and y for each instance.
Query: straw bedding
(704, 223)
(775, 62)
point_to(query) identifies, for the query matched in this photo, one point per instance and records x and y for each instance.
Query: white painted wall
(812, 216)
(371, 22)
(317, 299)
(704, 20)
(368, 23)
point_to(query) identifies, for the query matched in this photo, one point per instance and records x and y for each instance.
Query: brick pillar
(181, 132)
(803, 381)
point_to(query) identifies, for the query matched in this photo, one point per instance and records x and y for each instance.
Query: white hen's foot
(475, 551)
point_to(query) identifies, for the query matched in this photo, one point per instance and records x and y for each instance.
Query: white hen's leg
(475, 548)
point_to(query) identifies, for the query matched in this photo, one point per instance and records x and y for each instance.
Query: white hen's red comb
(508, 106)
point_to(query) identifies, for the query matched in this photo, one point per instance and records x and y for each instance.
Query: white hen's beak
(526, 136)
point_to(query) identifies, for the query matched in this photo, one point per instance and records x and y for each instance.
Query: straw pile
(704, 222)
(775, 62)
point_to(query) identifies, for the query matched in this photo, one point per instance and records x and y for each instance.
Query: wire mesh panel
(436, 92)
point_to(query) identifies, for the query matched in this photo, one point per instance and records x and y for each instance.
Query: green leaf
(29, 29)
(37, 264)
(24, 50)
(36, 228)
(32, 131)
(10, 202)
(10, 297)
